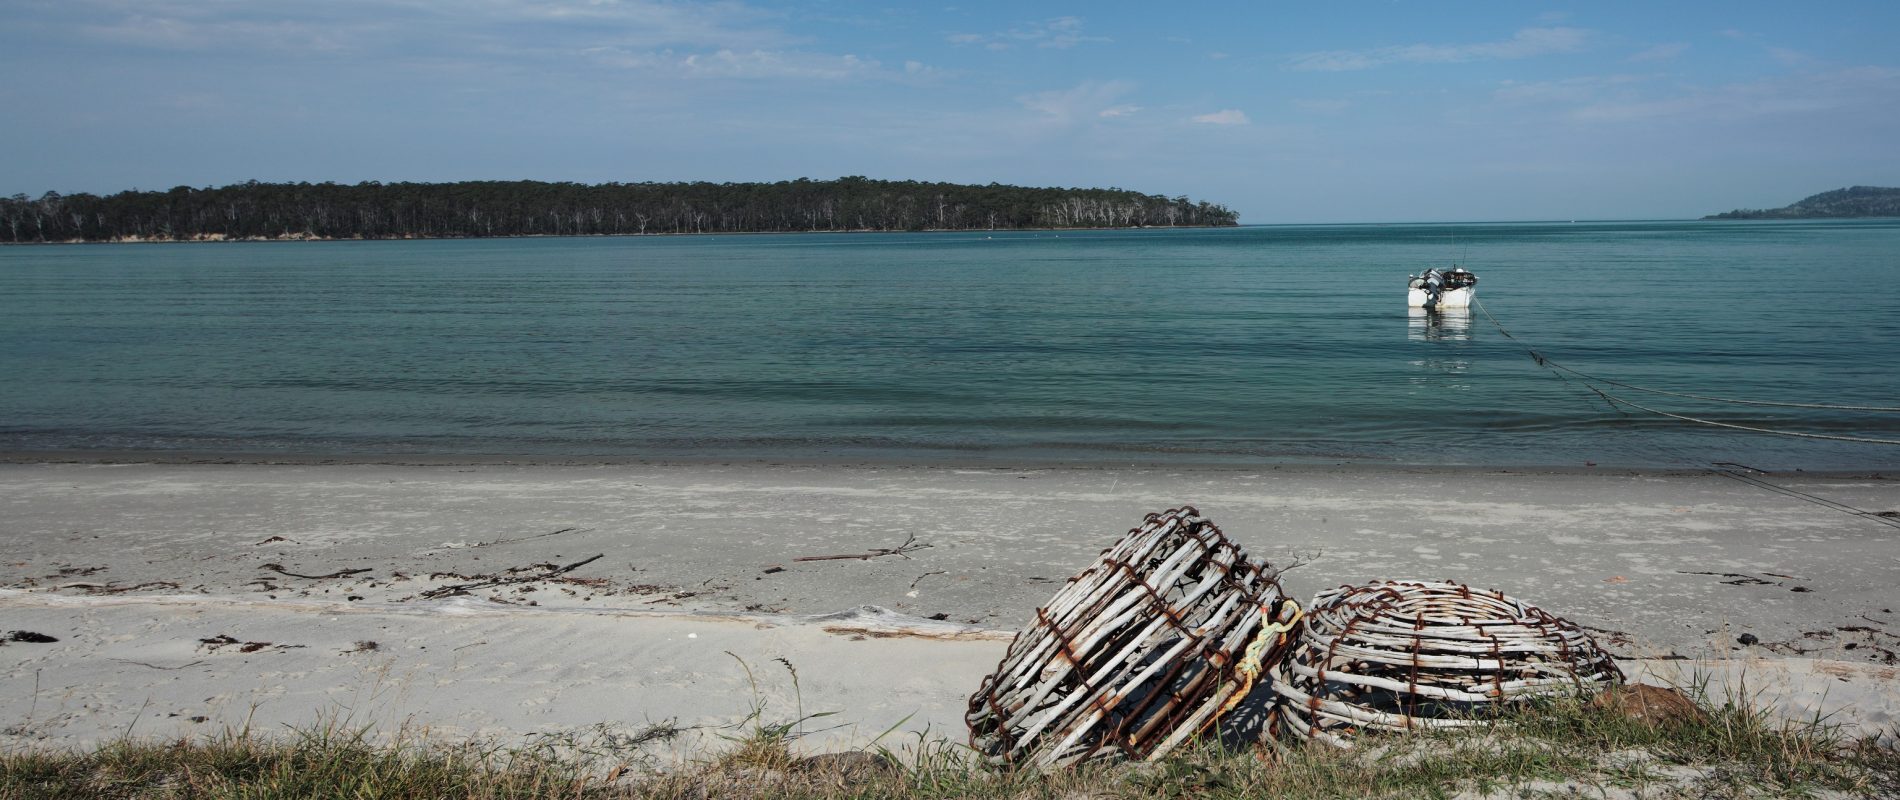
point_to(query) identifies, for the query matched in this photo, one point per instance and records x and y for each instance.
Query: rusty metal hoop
(1135, 654)
(1406, 655)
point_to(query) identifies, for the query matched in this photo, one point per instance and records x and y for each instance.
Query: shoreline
(222, 239)
(898, 462)
(186, 598)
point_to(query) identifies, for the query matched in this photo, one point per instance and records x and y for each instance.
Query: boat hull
(1450, 298)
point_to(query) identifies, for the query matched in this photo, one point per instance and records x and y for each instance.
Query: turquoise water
(1261, 344)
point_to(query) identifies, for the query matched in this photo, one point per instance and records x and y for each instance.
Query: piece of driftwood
(504, 580)
(342, 573)
(113, 588)
(1405, 655)
(904, 550)
(526, 538)
(1142, 650)
(186, 665)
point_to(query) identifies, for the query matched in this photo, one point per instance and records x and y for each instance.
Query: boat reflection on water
(1444, 367)
(1438, 325)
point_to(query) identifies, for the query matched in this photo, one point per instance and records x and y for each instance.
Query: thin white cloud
(1066, 32)
(1225, 116)
(648, 22)
(1875, 89)
(1085, 100)
(187, 33)
(410, 26)
(1661, 52)
(1118, 111)
(1059, 33)
(1788, 57)
(1332, 106)
(1568, 90)
(1526, 43)
(711, 41)
(762, 64)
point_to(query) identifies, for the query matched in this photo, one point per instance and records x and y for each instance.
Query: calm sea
(1252, 345)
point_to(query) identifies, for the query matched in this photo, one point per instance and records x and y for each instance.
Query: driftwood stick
(910, 545)
(526, 538)
(465, 588)
(134, 588)
(113, 588)
(342, 573)
(155, 666)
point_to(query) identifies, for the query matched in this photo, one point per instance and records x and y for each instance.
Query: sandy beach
(514, 601)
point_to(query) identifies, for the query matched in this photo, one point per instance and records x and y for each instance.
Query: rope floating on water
(1137, 653)
(1545, 361)
(1403, 655)
(1776, 431)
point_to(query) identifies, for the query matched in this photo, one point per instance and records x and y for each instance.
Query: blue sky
(1286, 112)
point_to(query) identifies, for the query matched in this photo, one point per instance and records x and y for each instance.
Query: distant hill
(1857, 201)
(371, 210)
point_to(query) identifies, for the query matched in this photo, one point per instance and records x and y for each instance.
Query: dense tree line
(374, 210)
(1854, 201)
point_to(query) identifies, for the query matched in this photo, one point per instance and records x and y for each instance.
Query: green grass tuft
(1553, 748)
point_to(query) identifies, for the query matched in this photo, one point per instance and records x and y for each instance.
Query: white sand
(132, 566)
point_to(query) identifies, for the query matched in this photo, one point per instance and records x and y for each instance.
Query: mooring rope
(1832, 505)
(1718, 467)
(1588, 376)
(1544, 361)
(1828, 436)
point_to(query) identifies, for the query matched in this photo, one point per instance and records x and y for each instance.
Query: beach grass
(1557, 748)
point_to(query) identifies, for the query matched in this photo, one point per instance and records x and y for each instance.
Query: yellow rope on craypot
(1249, 666)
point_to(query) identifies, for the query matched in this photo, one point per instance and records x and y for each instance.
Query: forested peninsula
(1855, 201)
(372, 210)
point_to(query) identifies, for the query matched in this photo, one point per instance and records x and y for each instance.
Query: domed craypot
(1407, 655)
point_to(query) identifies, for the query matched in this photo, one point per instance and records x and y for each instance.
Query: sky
(1287, 112)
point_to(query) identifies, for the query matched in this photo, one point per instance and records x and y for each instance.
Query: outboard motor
(1434, 287)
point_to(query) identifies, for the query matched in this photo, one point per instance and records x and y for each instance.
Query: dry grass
(1552, 749)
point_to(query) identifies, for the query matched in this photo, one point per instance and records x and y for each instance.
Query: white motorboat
(1453, 288)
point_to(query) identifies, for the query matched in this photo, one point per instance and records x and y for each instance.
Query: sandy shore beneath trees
(520, 601)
